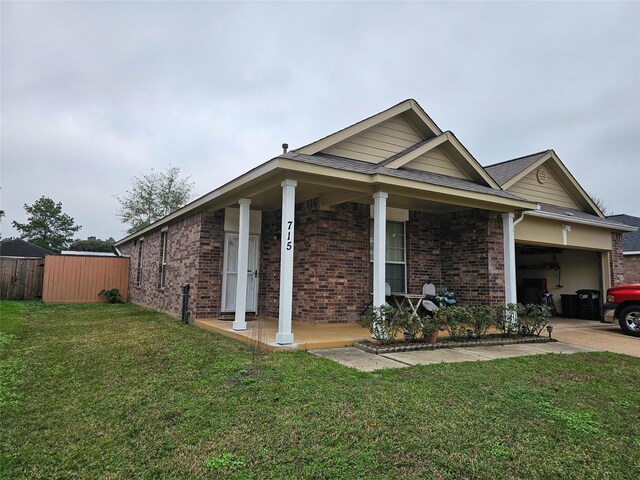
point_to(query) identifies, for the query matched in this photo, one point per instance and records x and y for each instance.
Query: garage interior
(561, 272)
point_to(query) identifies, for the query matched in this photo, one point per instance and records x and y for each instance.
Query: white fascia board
(582, 221)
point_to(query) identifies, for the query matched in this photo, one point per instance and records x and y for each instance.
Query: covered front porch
(329, 243)
(262, 332)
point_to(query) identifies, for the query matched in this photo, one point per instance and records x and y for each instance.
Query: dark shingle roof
(16, 247)
(630, 240)
(358, 166)
(504, 171)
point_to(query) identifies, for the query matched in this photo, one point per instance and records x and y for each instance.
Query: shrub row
(386, 323)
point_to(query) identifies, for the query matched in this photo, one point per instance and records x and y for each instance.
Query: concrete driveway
(595, 334)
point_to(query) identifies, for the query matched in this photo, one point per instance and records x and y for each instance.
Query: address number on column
(289, 241)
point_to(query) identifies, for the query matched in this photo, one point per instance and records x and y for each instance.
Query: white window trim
(140, 260)
(404, 262)
(164, 238)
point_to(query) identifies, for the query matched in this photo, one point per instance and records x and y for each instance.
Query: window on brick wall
(395, 255)
(140, 252)
(163, 259)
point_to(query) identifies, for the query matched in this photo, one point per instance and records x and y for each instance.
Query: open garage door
(559, 271)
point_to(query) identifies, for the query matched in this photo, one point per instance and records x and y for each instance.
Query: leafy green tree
(93, 244)
(152, 196)
(46, 225)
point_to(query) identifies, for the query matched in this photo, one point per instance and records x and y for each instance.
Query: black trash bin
(589, 304)
(569, 305)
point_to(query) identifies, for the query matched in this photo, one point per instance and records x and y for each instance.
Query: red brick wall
(472, 257)
(331, 277)
(210, 251)
(423, 251)
(631, 268)
(182, 240)
(194, 255)
(332, 268)
(269, 273)
(617, 261)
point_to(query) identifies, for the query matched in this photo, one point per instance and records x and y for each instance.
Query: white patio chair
(429, 291)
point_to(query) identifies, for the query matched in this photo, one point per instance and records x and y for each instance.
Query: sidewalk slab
(368, 362)
(443, 355)
(556, 347)
(356, 358)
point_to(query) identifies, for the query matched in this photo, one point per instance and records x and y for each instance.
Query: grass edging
(371, 347)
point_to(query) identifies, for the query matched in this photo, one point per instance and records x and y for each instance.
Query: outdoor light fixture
(549, 329)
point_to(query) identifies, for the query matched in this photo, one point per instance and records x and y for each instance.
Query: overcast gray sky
(95, 93)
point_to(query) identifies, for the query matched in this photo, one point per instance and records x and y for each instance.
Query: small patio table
(413, 302)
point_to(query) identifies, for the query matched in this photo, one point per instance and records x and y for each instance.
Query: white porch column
(509, 235)
(239, 322)
(379, 247)
(284, 335)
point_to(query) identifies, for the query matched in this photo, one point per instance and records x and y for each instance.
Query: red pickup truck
(625, 300)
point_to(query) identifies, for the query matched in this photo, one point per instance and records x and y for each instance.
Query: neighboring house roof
(16, 247)
(509, 175)
(630, 240)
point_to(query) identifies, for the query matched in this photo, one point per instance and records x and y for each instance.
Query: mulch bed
(378, 348)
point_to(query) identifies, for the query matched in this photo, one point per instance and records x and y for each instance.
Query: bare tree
(599, 203)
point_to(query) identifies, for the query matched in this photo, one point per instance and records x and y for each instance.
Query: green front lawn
(117, 391)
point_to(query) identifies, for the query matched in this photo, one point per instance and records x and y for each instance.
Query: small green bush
(112, 296)
(382, 322)
(455, 320)
(482, 318)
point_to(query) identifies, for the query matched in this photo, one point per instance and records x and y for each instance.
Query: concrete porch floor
(306, 336)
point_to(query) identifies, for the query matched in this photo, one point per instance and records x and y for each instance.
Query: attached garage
(559, 271)
(567, 244)
(561, 251)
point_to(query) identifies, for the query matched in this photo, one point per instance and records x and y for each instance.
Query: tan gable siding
(377, 143)
(550, 192)
(436, 161)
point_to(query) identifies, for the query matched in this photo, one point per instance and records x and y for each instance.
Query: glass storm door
(231, 273)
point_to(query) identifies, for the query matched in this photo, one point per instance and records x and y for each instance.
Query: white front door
(230, 277)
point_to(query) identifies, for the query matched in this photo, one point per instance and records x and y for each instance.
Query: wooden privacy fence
(21, 278)
(73, 279)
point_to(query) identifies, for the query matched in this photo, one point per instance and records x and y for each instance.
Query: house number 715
(289, 226)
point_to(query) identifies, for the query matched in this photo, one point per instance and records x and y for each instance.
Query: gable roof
(470, 165)
(504, 171)
(510, 172)
(348, 164)
(16, 247)
(423, 123)
(630, 240)
(429, 137)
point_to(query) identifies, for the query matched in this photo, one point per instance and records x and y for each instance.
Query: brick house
(314, 234)
(630, 248)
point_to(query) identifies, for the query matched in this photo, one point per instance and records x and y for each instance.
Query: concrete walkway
(367, 362)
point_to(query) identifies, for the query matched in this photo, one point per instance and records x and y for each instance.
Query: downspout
(520, 215)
